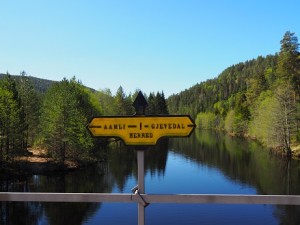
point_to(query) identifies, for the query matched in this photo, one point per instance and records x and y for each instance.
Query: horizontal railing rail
(151, 198)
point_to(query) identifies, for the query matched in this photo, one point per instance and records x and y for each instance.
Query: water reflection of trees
(89, 180)
(69, 213)
(56, 213)
(123, 162)
(247, 162)
(242, 161)
(156, 157)
(101, 178)
(19, 212)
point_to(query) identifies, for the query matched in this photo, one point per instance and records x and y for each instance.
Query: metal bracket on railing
(140, 198)
(134, 189)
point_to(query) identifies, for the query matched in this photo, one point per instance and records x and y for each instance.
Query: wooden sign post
(141, 130)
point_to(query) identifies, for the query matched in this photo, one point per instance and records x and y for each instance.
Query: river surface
(205, 163)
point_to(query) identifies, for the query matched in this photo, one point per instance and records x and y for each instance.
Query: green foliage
(19, 114)
(123, 103)
(229, 121)
(56, 120)
(12, 120)
(234, 123)
(157, 104)
(270, 77)
(118, 105)
(288, 68)
(107, 102)
(242, 106)
(206, 120)
(9, 119)
(243, 96)
(266, 123)
(161, 104)
(298, 123)
(66, 110)
(221, 108)
(30, 108)
(234, 80)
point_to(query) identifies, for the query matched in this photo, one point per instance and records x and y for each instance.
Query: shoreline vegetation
(278, 151)
(37, 161)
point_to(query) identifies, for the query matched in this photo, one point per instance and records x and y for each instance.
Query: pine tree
(288, 68)
(288, 73)
(107, 102)
(63, 120)
(151, 109)
(10, 119)
(30, 109)
(123, 103)
(161, 104)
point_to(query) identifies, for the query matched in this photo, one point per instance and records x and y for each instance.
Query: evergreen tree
(107, 102)
(157, 104)
(10, 119)
(151, 109)
(63, 120)
(161, 104)
(123, 103)
(288, 68)
(288, 73)
(30, 109)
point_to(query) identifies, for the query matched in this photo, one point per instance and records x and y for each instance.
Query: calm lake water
(205, 163)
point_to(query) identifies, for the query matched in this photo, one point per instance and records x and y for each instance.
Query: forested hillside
(39, 85)
(220, 94)
(259, 97)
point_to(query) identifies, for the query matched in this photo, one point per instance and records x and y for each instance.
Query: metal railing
(145, 199)
(151, 198)
(138, 196)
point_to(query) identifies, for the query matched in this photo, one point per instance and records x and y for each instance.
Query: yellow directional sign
(141, 130)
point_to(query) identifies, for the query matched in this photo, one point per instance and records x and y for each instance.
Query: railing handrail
(150, 198)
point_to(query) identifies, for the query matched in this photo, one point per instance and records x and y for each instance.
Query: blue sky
(153, 45)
